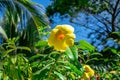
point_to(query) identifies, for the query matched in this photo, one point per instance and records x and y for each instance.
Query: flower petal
(88, 70)
(61, 37)
(70, 39)
(65, 28)
(51, 39)
(60, 45)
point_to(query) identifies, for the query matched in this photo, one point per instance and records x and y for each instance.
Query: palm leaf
(22, 16)
(2, 32)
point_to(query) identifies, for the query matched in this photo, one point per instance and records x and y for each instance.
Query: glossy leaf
(72, 53)
(86, 46)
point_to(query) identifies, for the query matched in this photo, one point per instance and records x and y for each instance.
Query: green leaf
(6, 52)
(35, 57)
(34, 64)
(96, 54)
(14, 59)
(72, 53)
(86, 46)
(24, 48)
(44, 68)
(78, 65)
(116, 34)
(60, 75)
(93, 59)
(74, 69)
(2, 32)
(72, 76)
(41, 43)
(114, 51)
(2, 49)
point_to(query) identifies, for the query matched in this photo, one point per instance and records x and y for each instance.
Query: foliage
(50, 64)
(14, 65)
(71, 6)
(40, 66)
(22, 18)
(105, 64)
(42, 62)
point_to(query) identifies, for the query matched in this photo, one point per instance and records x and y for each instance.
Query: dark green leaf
(74, 69)
(34, 57)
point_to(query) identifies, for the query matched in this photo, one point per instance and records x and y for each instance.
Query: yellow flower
(88, 72)
(61, 37)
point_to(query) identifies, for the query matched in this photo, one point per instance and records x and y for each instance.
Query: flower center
(87, 70)
(60, 36)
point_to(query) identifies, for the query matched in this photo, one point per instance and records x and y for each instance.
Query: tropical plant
(23, 18)
(14, 65)
(105, 63)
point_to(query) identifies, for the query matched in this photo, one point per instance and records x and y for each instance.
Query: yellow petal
(88, 70)
(61, 37)
(51, 39)
(65, 28)
(60, 45)
(70, 36)
(70, 42)
(85, 76)
(70, 39)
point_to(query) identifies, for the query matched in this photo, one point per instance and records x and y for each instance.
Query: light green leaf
(86, 46)
(114, 51)
(72, 53)
(24, 48)
(13, 59)
(96, 54)
(60, 75)
(2, 32)
(6, 52)
(41, 43)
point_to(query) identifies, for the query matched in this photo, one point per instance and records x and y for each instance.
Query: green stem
(53, 66)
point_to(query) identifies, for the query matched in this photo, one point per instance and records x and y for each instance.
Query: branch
(110, 5)
(88, 27)
(113, 15)
(117, 13)
(107, 30)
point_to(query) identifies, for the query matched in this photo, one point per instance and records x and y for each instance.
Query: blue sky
(45, 3)
(81, 33)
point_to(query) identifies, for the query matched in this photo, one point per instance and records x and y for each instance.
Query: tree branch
(114, 16)
(107, 30)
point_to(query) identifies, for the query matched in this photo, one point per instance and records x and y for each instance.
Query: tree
(23, 18)
(102, 17)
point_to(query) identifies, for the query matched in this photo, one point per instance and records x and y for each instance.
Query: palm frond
(22, 15)
(2, 33)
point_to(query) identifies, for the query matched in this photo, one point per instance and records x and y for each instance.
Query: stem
(53, 66)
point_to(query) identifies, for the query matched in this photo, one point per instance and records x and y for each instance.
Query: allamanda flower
(61, 37)
(88, 72)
